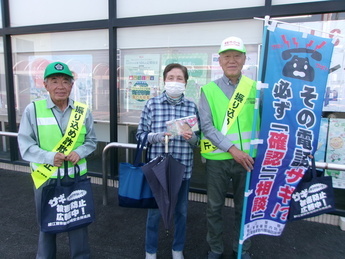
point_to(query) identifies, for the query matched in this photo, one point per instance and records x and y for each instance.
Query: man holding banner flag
(296, 70)
(227, 114)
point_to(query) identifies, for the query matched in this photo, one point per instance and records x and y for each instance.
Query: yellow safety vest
(50, 138)
(224, 112)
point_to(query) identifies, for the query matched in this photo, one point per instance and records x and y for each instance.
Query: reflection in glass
(141, 75)
(90, 68)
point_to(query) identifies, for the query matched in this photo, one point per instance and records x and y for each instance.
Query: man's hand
(73, 157)
(242, 158)
(59, 158)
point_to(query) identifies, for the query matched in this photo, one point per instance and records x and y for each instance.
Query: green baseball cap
(57, 68)
(232, 43)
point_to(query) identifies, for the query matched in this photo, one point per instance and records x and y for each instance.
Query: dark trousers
(220, 173)
(180, 221)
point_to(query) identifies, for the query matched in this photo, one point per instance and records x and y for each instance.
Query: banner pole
(261, 77)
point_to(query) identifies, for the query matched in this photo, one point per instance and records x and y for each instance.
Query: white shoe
(150, 256)
(177, 254)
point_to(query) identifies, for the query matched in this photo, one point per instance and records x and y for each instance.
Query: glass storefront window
(140, 69)
(141, 76)
(88, 59)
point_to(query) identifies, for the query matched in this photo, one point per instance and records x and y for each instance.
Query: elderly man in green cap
(42, 128)
(226, 115)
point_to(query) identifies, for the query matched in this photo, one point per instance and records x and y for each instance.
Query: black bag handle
(310, 173)
(313, 168)
(139, 150)
(76, 173)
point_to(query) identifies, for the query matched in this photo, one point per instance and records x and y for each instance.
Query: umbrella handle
(166, 144)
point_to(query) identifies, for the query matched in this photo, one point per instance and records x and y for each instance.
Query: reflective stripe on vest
(82, 167)
(240, 132)
(46, 121)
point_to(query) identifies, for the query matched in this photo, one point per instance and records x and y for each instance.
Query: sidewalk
(119, 233)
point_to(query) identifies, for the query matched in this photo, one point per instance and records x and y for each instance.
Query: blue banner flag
(296, 72)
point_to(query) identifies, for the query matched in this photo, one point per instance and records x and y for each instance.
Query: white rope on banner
(274, 23)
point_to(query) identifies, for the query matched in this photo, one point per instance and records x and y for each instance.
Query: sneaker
(177, 254)
(213, 255)
(150, 256)
(245, 255)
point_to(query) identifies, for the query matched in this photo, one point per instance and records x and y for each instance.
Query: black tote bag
(134, 190)
(67, 206)
(313, 195)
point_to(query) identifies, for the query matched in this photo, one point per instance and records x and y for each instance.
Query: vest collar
(51, 105)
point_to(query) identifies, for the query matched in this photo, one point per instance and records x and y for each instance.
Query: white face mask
(174, 89)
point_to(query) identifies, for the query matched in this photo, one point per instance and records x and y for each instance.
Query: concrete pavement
(119, 233)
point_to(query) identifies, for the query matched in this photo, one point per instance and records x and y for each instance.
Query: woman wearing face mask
(170, 105)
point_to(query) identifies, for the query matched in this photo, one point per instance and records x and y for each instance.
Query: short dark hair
(175, 65)
(71, 79)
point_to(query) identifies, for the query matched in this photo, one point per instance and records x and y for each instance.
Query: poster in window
(141, 80)
(197, 66)
(216, 70)
(335, 152)
(320, 153)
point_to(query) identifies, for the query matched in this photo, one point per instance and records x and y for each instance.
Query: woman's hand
(187, 134)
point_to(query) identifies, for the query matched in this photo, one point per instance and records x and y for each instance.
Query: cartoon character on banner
(299, 67)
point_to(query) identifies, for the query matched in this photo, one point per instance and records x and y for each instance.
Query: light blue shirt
(28, 138)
